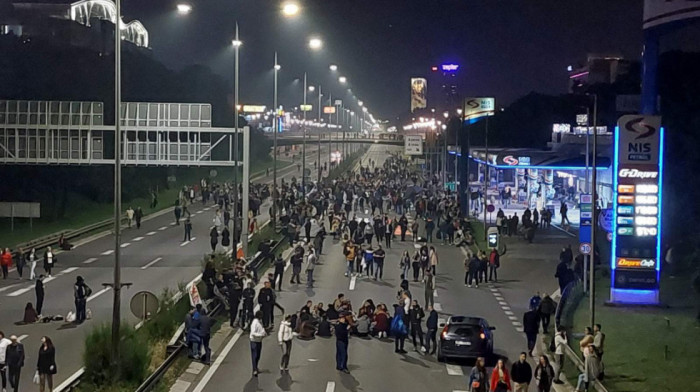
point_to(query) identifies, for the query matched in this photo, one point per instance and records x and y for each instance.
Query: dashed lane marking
(151, 233)
(22, 337)
(520, 329)
(162, 228)
(172, 223)
(185, 243)
(512, 318)
(90, 260)
(151, 263)
(97, 294)
(124, 245)
(107, 252)
(454, 370)
(137, 239)
(502, 303)
(353, 281)
(67, 271)
(330, 387)
(437, 307)
(509, 313)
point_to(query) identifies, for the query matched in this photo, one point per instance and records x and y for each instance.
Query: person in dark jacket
(188, 230)
(46, 363)
(39, 290)
(214, 238)
(429, 228)
(531, 326)
(81, 292)
(415, 317)
(248, 296)
(521, 374)
(474, 269)
(138, 215)
(403, 223)
(431, 324)
(14, 360)
(266, 299)
(205, 324)
(225, 238)
(279, 273)
(546, 309)
(342, 334)
(564, 273)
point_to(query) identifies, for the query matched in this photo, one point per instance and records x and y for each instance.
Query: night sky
(506, 48)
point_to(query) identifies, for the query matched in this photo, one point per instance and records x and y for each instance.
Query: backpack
(398, 327)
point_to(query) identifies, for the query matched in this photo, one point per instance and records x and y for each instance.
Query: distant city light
(334, 67)
(315, 43)
(184, 9)
(290, 8)
(312, 88)
(434, 68)
(343, 79)
(570, 68)
(277, 67)
(450, 67)
(360, 103)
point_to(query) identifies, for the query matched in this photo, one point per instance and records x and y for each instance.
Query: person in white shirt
(559, 342)
(285, 336)
(4, 342)
(257, 333)
(311, 261)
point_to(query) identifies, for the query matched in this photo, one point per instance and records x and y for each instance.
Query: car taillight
(482, 335)
(444, 332)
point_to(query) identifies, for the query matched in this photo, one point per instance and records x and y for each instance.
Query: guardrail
(52, 239)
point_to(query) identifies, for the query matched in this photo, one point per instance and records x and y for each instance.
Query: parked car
(465, 337)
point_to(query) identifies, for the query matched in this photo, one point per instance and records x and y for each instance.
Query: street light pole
(594, 215)
(116, 305)
(274, 152)
(236, 234)
(318, 167)
(303, 149)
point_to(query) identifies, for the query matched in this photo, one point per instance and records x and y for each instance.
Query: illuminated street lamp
(343, 79)
(333, 67)
(290, 9)
(446, 114)
(315, 43)
(312, 89)
(184, 8)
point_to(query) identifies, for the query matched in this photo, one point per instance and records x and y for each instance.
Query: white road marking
(494, 290)
(517, 323)
(20, 291)
(505, 307)
(97, 294)
(330, 387)
(162, 228)
(151, 263)
(172, 223)
(437, 307)
(513, 318)
(219, 359)
(312, 359)
(193, 238)
(107, 252)
(46, 280)
(90, 260)
(124, 245)
(66, 271)
(454, 370)
(137, 239)
(22, 337)
(184, 243)
(151, 233)
(435, 293)
(499, 298)
(502, 303)
(509, 313)
(520, 329)
(9, 287)
(353, 281)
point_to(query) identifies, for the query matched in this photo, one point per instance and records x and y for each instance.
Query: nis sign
(637, 209)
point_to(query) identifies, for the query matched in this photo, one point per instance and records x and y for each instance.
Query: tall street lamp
(290, 9)
(318, 168)
(236, 235)
(277, 67)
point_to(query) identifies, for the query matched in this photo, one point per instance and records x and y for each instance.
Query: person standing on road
(544, 374)
(474, 268)
(22, 258)
(4, 343)
(598, 340)
(429, 289)
(188, 230)
(379, 256)
(6, 262)
(284, 337)
(478, 379)
(429, 228)
(388, 231)
(279, 273)
(341, 344)
(521, 374)
(311, 261)
(296, 261)
(214, 238)
(14, 359)
(39, 291)
(531, 326)
(415, 317)
(225, 239)
(48, 260)
(266, 299)
(46, 364)
(81, 291)
(405, 264)
(257, 333)
(248, 296)
(32, 264)
(494, 264)
(130, 215)
(205, 324)
(560, 341)
(403, 223)
(178, 212)
(546, 309)
(500, 378)
(138, 215)
(431, 324)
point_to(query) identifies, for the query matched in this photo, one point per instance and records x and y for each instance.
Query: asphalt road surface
(154, 258)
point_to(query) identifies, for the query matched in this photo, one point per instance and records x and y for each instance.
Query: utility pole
(486, 175)
(274, 153)
(236, 233)
(117, 285)
(318, 167)
(594, 218)
(303, 148)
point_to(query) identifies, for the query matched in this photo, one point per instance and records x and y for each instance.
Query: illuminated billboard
(636, 231)
(475, 108)
(419, 91)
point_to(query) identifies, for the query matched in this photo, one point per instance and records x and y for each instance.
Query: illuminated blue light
(636, 296)
(545, 167)
(449, 67)
(613, 253)
(661, 192)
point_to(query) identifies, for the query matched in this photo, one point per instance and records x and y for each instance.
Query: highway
(153, 258)
(525, 269)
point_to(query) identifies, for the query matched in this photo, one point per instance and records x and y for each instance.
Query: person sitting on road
(30, 315)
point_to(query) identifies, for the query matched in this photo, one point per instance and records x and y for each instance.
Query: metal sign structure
(413, 145)
(636, 231)
(475, 108)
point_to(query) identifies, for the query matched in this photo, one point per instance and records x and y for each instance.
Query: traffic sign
(585, 248)
(490, 208)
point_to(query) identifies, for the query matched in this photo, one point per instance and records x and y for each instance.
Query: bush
(134, 359)
(163, 324)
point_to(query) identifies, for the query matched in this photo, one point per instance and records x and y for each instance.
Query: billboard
(478, 107)
(329, 109)
(419, 91)
(659, 12)
(636, 221)
(413, 145)
(306, 108)
(254, 108)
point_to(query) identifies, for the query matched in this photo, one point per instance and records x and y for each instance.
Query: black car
(465, 337)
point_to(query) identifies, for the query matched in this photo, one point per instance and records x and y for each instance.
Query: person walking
(478, 379)
(531, 326)
(284, 337)
(138, 215)
(494, 264)
(248, 296)
(188, 230)
(14, 360)
(500, 378)
(544, 375)
(521, 374)
(415, 317)
(474, 269)
(81, 292)
(257, 333)
(39, 291)
(279, 273)
(342, 340)
(21, 261)
(49, 260)
(433, 259)
(311, 261)
(46, 364)
(266, 299)
(405, 264)
(297, 260)
(4, 343)
(431, 324)
(130, 215)
(32, 264)
(429, 289)
(213, 238)
(225, 238)
(560, 341)
(6, 262)
(178, 212)
(546, 309)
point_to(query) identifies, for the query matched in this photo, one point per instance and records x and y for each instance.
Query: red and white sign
(193, 292)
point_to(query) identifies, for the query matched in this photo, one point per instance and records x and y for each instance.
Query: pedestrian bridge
(288, 139)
